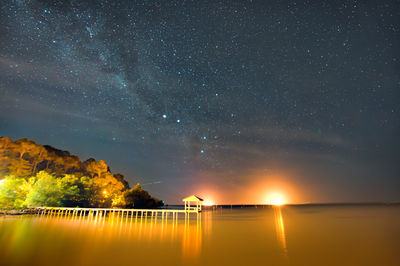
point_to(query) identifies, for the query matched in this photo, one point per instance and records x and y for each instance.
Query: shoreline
(15, 212)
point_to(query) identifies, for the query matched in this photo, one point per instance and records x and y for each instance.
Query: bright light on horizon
(276, 198)
(208, 202)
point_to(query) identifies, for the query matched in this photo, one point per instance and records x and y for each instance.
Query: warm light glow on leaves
(45, 189)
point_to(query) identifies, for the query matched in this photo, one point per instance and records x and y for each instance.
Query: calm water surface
(313, 235)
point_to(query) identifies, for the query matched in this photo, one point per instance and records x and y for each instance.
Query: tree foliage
(139, 198)
(45, 189)
(41, 175)
(13, 192)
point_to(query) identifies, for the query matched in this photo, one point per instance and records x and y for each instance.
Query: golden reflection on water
(244, 236)
(280, 227)
(192, 237)
(186, 232)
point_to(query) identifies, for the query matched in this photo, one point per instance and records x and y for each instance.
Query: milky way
(196, 96)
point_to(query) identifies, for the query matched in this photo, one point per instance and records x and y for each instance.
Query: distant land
(55, 177)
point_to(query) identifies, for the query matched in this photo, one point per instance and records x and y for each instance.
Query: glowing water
(324, 235)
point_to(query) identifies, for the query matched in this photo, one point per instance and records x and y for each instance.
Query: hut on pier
(192, 204)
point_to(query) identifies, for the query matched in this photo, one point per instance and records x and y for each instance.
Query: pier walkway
(192, 205)
(102, 212)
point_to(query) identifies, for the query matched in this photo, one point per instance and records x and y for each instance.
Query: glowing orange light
(276, 198)
(208, 202)
(104, 192)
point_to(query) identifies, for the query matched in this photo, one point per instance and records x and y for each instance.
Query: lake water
(289, 235)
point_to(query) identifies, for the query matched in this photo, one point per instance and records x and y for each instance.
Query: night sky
(225, 99)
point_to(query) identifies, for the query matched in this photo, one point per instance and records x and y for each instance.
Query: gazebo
(192, 204)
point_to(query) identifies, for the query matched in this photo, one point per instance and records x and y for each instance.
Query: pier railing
(102, 212)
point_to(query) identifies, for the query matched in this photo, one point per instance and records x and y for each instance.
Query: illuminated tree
(45, 191)
(111, 190)
(13, 192)
(98, 168)
(51, 191)
(20, 167)
(46, 176)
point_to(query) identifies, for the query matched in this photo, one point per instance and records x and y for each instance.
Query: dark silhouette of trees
(137, 197)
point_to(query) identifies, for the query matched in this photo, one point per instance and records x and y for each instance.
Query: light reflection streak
(280, 227)
(192, 237)
(207, 223)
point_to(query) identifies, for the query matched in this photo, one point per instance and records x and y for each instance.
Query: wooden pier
(137, 213)
(103, 212)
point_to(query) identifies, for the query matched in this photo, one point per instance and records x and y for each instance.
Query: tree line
(45, 189)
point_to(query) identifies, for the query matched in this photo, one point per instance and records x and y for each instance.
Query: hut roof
(192, 198)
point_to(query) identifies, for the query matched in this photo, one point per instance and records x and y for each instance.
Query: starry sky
(224, 99)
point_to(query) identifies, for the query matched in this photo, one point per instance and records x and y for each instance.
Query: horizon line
(302, 204)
